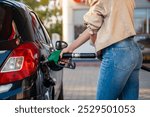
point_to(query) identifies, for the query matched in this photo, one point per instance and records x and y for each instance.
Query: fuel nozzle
(54, 61)
(56, 64)
(54, 56)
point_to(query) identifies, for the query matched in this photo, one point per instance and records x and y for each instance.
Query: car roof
(21, 8)
(15, 4)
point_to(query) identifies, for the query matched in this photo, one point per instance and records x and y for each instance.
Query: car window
(48, 38)
(37, 28)
(8, 29)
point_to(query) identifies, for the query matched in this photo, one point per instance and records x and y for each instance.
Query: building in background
(73, 11)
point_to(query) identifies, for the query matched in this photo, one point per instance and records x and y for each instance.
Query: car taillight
(13, 64)
(22, 63)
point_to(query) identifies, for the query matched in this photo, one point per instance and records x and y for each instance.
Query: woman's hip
(124, 55)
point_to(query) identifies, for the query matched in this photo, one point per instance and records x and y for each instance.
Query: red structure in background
(83, 1)
(80, 1)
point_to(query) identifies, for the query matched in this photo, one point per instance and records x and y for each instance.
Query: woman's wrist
(71, 48)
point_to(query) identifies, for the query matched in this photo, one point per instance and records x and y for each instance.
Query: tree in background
(49, 12)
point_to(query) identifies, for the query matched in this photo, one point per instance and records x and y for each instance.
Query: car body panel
(3, 55)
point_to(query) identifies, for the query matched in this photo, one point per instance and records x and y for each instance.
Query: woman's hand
(65, 50)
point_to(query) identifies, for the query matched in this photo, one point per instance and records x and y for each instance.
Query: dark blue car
(24, 44)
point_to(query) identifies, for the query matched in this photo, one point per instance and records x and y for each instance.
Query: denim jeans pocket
(123, 58)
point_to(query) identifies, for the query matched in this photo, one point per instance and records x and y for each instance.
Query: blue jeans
(119, 71)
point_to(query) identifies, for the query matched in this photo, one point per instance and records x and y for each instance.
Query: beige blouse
(111, 20)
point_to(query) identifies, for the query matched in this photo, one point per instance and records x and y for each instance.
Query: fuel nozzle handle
(78, 55)
(55, 56)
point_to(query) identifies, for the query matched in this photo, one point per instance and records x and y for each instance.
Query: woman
(111, 28)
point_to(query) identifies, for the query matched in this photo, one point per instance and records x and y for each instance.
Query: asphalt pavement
(80, 83)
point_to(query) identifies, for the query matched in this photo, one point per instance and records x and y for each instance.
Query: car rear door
(47, 47)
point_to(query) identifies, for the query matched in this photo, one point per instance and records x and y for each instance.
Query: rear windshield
(8, 30)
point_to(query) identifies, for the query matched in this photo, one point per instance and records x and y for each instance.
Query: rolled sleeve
(93, 19)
